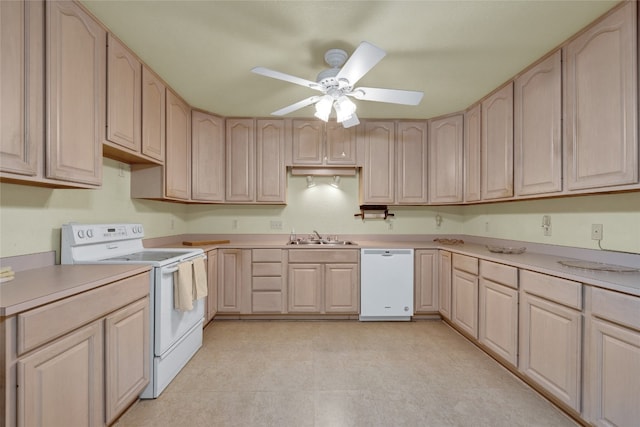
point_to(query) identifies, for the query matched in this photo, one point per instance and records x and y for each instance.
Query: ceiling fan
(337, 84)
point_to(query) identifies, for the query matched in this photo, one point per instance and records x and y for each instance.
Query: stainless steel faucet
(318, 234)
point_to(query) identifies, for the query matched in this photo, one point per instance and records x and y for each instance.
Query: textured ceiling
(454, 51)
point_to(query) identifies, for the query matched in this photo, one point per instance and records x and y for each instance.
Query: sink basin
(322, 242)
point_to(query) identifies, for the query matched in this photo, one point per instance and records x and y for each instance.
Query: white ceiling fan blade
(393, 96)
(365, 57)
(298, 105)
(287, 78)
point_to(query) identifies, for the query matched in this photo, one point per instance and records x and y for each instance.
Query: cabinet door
(305, 288)
(271, 173)
(472, 143)
(426, 281)
(411, 166)
(230, 280)
(307, 142)
(240, 167)
(550, 347)
(378, 175)
(613, 372)
(178, 161)
(446, 142)
(212, 284)
(76, 85)
(127, 357)
(538, 128)
(207, 157)
(601, 103)
(124, 93)
(19, 149)
(498, 319)
(444, 284)
(464, 301)
(340, 144)
(153, 115)
(61, 384)
(497, 144)
(341, 288)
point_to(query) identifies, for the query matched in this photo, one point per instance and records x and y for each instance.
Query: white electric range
(175, 336)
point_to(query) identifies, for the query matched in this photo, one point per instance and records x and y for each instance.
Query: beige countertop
(535, 261)
(32, 288)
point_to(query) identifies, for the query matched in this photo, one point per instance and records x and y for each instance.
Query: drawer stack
(267, 281)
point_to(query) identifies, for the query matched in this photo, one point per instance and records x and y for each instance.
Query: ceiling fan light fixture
(323, 108)
(344, 108)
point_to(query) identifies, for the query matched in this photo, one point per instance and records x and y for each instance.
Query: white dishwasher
(386, 284)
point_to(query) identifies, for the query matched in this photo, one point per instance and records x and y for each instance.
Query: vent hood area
(323, 171)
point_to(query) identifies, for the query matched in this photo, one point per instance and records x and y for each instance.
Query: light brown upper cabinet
(315, 143)
(538, 128)
(271, 174)
(446, 142)
(124, 104)
(411, 163)
(255, 167)
(601, 103)
(472, 143)
(21, 90)
(76, 85)
(377, 180)
(207, 157)
(240, 164)
(497, 144)
(153, 115)
(178, 161)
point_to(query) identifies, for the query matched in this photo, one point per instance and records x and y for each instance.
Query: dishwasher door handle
(387, 254)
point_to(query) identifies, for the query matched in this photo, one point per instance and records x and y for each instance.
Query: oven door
(170, 324)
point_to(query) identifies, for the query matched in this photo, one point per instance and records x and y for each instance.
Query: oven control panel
(81, 234)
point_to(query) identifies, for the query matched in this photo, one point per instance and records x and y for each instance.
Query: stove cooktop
(146, 256)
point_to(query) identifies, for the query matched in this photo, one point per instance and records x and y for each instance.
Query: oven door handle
(171, 270)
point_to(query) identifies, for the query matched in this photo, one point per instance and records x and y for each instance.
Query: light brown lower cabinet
(444, 284)
(426, 279)
(212, 285)
(551, 335)
(464, 294)
(127, 357)
(498, 310)
(612, 358)
(234, 281)
(323, 281)
(61, 384)
(79, 361)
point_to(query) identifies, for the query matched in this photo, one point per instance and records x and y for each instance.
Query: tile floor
(342, 373)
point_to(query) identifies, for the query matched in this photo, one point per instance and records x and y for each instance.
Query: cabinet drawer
(266, 255)
(616, 307)
(465, 263)
(562, 291)
(37, 326)
(267, 284)
(499, 273)
(323, 255)
(266, 302)
(267, 269)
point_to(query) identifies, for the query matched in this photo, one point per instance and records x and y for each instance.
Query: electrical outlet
(486, 226)
(234, 224)
(596, 231)
(546, 225)
(276, 225)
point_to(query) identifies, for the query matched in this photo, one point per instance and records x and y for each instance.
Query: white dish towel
(183, 287)
(199, 279)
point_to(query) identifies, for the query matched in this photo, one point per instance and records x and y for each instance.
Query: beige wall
(30, 217)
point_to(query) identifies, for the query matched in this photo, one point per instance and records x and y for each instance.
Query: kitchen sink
(322, 242)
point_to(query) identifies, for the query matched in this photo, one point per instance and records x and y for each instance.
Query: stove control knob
(89, 233)
(81, 234)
